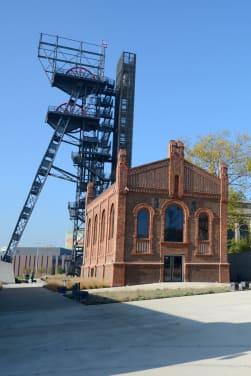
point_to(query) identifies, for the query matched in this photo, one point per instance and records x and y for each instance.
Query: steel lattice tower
(96, 120)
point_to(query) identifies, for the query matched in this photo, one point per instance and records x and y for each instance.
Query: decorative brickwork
(163, 221)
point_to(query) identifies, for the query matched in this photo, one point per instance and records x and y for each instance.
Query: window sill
(141, 254)
(196, 254)
(175, 244)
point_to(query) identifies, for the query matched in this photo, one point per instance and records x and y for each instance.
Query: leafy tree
(213, 149)
(239, 246)
(235, 201)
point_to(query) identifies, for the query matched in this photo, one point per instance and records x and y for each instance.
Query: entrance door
(173, 268)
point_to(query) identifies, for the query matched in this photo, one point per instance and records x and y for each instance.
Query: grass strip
(106, 297)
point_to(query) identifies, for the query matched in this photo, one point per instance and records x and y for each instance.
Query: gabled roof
(155, 175)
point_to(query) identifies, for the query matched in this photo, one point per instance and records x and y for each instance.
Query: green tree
(211, 150)
(239, 246)
(235, 201)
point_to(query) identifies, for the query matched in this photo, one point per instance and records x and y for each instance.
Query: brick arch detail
(110, 224)
(102, 225)
(204, 211)
(140, 206)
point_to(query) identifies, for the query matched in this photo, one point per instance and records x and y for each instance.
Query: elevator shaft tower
(96, 119)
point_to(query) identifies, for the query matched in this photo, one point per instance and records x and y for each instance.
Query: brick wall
(140, 274)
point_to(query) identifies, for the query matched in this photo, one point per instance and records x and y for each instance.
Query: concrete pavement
(43, 333)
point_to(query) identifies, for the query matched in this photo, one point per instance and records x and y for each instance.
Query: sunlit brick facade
(163, 221)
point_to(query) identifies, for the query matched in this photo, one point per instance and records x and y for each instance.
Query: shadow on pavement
(43, 333)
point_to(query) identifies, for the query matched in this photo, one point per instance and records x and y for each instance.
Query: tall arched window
(88, 233)
(143, 224)
(111, 227)
(102, 235)
(204, 232)
(174, 219)
(95, 232)
(203, 227)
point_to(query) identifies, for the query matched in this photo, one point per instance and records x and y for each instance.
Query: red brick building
(162, 221)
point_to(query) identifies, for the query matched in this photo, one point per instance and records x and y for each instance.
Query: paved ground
(43, 333)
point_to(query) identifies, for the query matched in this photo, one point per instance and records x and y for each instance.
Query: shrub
(239, 246)
(54, 281)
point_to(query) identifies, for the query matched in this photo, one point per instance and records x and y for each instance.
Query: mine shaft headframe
(58, 54)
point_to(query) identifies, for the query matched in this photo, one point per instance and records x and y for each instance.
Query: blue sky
(193, 77)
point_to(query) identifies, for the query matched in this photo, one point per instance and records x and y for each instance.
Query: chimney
(122, 171)
(90, 194)
(176, 169)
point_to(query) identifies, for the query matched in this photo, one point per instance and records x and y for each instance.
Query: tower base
(6, 272)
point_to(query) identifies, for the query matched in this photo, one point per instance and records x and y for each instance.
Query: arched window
(102, 235)
(95, 232)
(88, 233)
(203, 227)
(143, 224)
(174, 218)
(111, 228)
(244, 233)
